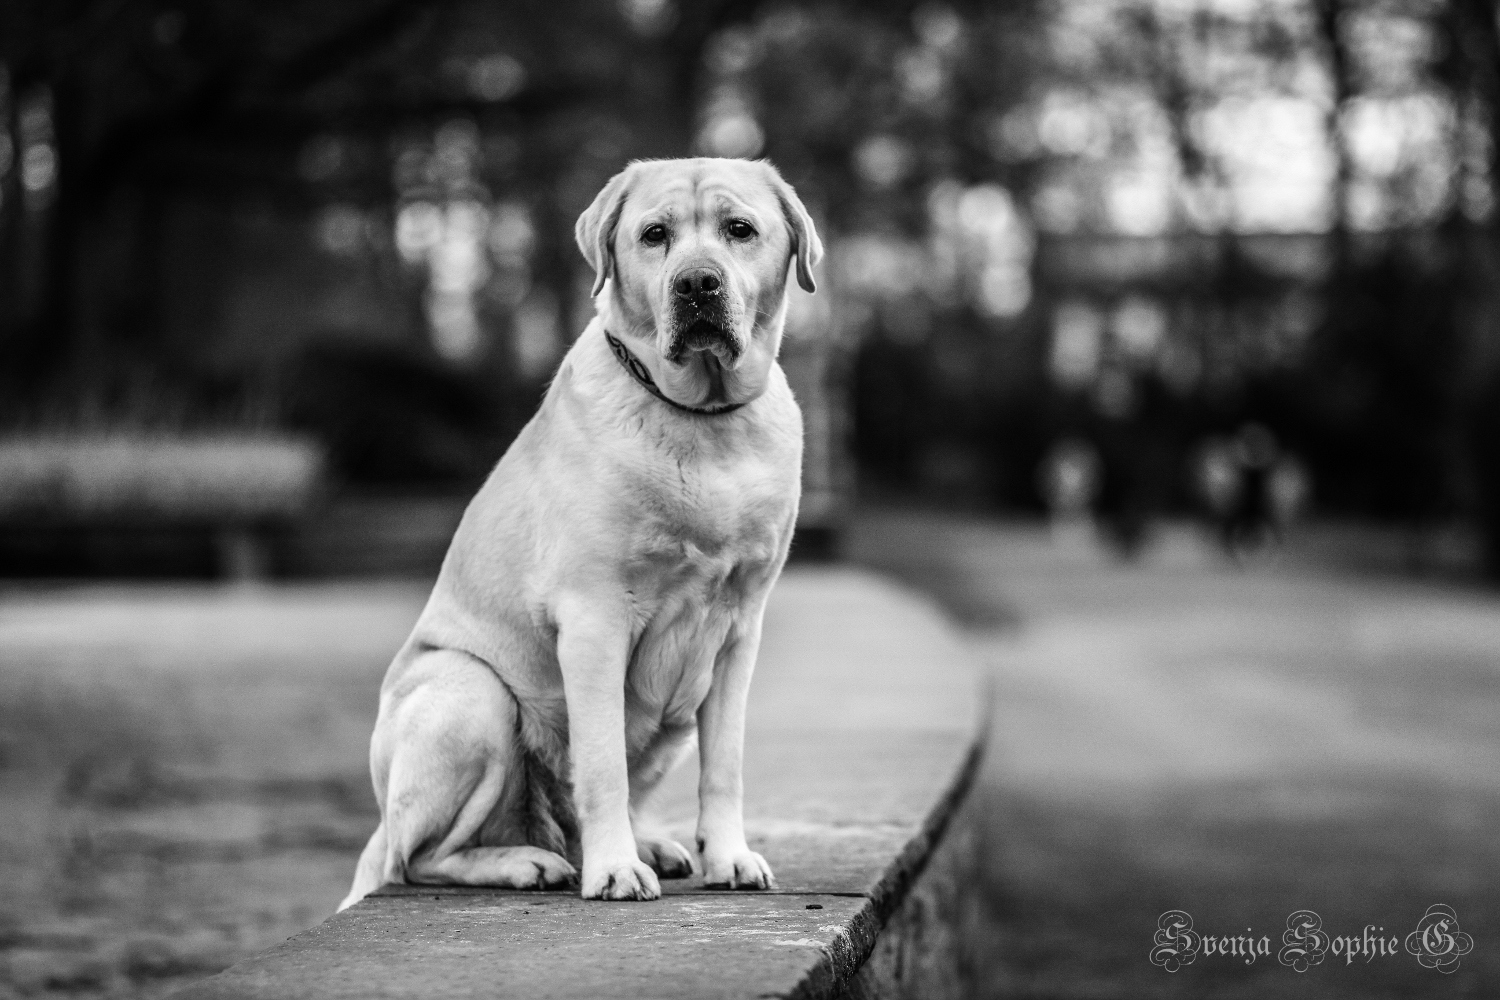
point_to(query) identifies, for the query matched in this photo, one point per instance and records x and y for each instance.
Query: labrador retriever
(601, 602)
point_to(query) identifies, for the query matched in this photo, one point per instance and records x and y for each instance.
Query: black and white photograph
(747, 499)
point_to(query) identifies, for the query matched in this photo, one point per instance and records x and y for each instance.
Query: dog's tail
(369, 875)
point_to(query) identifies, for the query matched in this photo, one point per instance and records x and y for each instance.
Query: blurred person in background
(1069, 481)
(1252, 489)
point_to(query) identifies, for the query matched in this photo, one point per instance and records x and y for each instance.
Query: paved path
(1237, 744)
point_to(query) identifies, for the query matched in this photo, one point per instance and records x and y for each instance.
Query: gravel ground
(1237, 743)
(182, 774)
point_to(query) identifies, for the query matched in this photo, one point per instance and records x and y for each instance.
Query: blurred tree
(116, 100)
(1139, 222)
(116, 108)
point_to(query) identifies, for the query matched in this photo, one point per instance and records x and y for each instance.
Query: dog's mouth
(705, 335)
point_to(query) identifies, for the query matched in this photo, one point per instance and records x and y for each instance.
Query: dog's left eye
(654, 235)
(740, 229)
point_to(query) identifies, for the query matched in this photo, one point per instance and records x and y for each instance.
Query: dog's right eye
(654, 235)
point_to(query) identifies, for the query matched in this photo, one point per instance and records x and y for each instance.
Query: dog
(601, 602)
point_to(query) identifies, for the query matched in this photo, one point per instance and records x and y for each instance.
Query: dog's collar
(637, 370)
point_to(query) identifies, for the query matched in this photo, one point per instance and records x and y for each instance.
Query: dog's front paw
(667, 858)
(626, 880)
(740, 869)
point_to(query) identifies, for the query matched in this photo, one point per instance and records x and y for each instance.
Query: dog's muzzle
(701, 319)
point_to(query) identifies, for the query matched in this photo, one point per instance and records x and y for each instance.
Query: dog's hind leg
(667, 857)
(453, 761)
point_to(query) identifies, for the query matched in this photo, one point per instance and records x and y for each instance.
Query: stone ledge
(862, 740)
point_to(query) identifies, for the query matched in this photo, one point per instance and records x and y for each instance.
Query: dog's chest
(672, 662)
(702, 520)
(705, 555)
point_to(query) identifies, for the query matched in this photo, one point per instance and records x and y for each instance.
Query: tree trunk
(1477, 34)
(1478, 30)
(1328, 12)
(12, 308)
(53, 335)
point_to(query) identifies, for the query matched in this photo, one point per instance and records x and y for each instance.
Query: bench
(115, 490)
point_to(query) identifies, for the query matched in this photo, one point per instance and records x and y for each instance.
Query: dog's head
(694, 256)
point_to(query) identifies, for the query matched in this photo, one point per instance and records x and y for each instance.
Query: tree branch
(218, 95)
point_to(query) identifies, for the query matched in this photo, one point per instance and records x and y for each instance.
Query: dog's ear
(595, 230)
(807, 248)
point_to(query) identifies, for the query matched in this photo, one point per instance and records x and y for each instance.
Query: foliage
(1138, 225)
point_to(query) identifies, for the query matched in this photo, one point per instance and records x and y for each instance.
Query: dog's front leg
(727, 859)
(593, 649)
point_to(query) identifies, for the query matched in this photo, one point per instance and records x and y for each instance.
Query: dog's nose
(696, 282)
